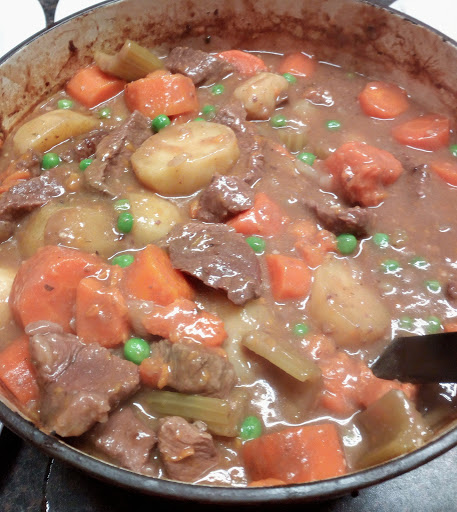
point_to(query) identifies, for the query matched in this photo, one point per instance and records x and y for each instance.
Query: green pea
(406, 323)
(433, 286)
(125, 222)
(333, 125)
(453, 149)
(290, 78)
(308, 158)
(122, 205)
(300, 329)
(251, 428)
(390, 266)
(209, 111)
(64, 104)
(278, 121)
(104, 113)
(123, 260)
(419, 262)
(50, 160)
(217, 89)
(84, 164)
(433, 324)
(257, 244)
(136, 350)
(346, 243)
(199, 119)
(159, 122)
(381, 240)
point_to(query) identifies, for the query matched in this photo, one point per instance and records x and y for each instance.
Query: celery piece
(390, 427)
(285, 358)
(293, 139)
(221, 416)
(130, 63)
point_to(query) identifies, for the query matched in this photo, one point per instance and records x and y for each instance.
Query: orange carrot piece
(446, 170)
(162, 93)
(383, 100)
(154, 372)
(182, 320)
(264, 218)
(14, 178)
(450, 327)
(152, 277)
(244, 63)
(17, 373)
(45, 285)
(290, 278)
(296, 454)
(101, 313)
(313, 244)
(266, 482)
(91, 86)
(362, 172)
(429, 132)
(298, 64)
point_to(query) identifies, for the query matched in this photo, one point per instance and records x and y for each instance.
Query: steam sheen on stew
(203, 253)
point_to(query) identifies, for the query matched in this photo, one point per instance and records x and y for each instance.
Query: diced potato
(342, 305)
(46, 131)
(181, 159)
(259, 94)
(6, 281)
(154, 217)
(89, 228)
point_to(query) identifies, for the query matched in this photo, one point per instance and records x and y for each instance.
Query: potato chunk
(181, 159)
(154, 217)
(6, 282)
(46, 131)
(340, 304)
(260, 93)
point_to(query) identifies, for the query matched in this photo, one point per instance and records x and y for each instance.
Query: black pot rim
(294, 493)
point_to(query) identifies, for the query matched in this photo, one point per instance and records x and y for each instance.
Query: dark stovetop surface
(32, 482)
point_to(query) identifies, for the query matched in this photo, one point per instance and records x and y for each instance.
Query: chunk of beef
(112, 155)
(218, 256)
(451, 289)
(250, 164)
(187, 450)
(225, 195)
(200, 67)
(83, 146)
(193, 368)
(30, 161)
(341, 220)
(79, 383)
(125, 439)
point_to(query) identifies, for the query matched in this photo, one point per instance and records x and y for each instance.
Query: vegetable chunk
(181, 159)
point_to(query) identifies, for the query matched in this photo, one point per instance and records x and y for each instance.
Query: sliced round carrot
(298, 64)
(445, 170)
(383, 100)
(429, 132)
(244, 62)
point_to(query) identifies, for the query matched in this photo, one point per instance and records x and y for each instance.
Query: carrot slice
(383, 100)
(181, 319)
(264, 218)
(296, 454)
(450, 327)
(101, 313)
(244, 62)
(290, 278)
(362, 172)
(266, 482)
(298, 64)
(91, 86)
(313, 244)
(429, 132)
(446, 170)
(45, 285)
(152, 277)
(17, 373)
(162, 93)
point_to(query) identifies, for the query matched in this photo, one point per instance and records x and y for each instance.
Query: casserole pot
(351, 33)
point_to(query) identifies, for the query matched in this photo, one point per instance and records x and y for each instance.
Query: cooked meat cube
(113, 153)
(30, 161)
(83, 146)
(187, 450)
(79, 383)
(218, 256)
(451, 289)
(225, 195)
(193, 368)
(200, 67)
(125, 439)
